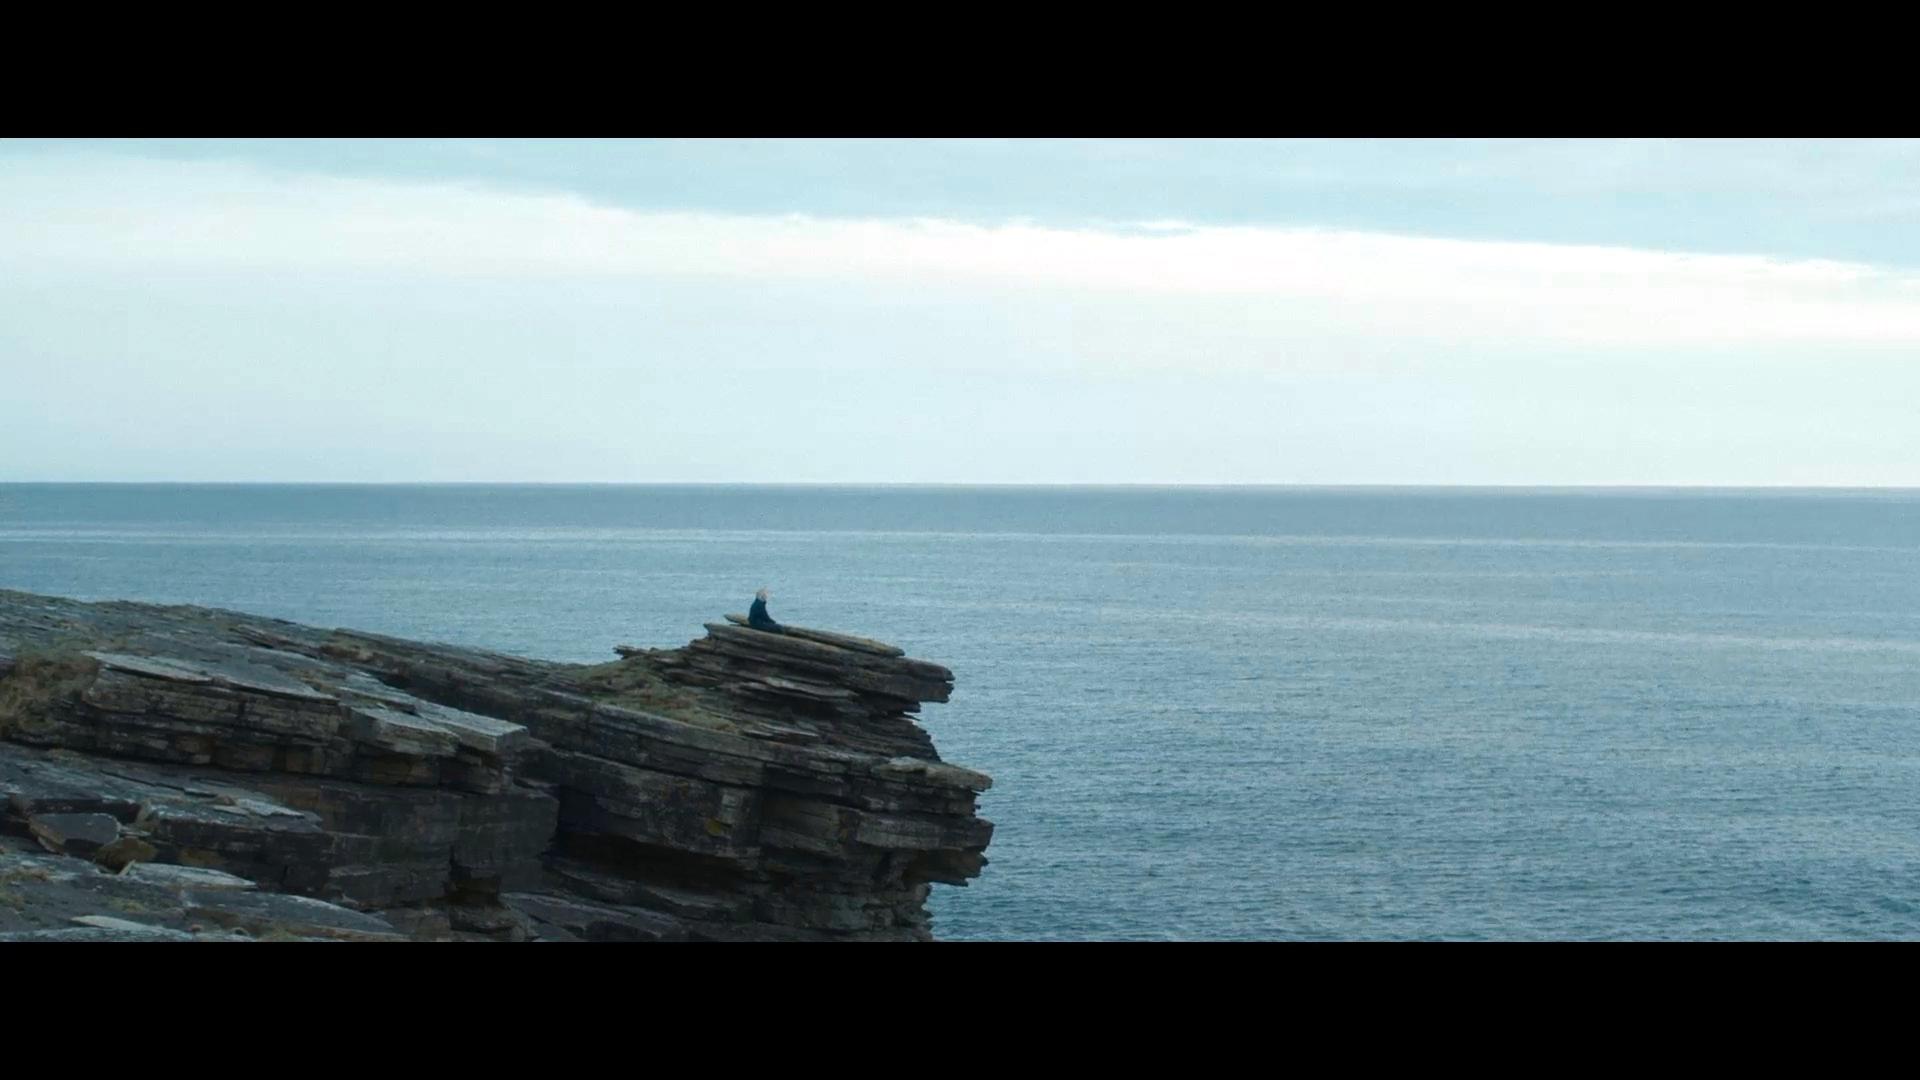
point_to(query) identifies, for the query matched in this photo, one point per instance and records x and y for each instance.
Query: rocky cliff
(175, 772)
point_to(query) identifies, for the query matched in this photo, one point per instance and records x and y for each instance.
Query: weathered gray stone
(596, 922)
(401, 733)
(185, 877)
(152, 667)
(748, 786)
(482, 734)
(74, 834)
(263, 913)
(134, 929)
(828, 637)
(97, 933)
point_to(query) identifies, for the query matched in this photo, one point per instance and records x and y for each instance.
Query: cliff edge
(189, 773)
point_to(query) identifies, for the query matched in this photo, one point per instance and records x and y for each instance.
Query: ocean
(1216, 713)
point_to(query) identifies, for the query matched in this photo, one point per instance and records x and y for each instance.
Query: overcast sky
(1357, 312)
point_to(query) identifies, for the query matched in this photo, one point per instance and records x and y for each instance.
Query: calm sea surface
(1217, 713)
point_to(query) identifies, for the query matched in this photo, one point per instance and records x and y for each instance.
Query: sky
(1516, 312)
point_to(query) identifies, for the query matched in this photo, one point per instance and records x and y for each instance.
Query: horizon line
(1155, 485)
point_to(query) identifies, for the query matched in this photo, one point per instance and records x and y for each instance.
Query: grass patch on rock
(633, 684)
(40, 684)
(12, 874)
(127, 906)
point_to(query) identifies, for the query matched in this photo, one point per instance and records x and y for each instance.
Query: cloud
(223, 321)
(86, 213)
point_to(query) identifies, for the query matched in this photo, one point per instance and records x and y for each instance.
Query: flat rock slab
(402, 733)
(44, 786)
(828, 637)
(135, 929)
(237, 674)
(475, 732)
(54, 898)
(933, 772)
(103, 933)
(151, 666)
(265, 914)
(186, 877)
(74, 834)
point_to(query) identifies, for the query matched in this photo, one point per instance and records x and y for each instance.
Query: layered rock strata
(748, 786)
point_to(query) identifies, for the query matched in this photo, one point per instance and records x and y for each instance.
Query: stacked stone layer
(450, 792)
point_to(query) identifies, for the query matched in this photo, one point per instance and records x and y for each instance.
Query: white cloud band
(127, 214)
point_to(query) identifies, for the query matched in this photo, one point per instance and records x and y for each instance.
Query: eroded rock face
(750, 786)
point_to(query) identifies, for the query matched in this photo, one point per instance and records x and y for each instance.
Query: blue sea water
(1217, 713)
